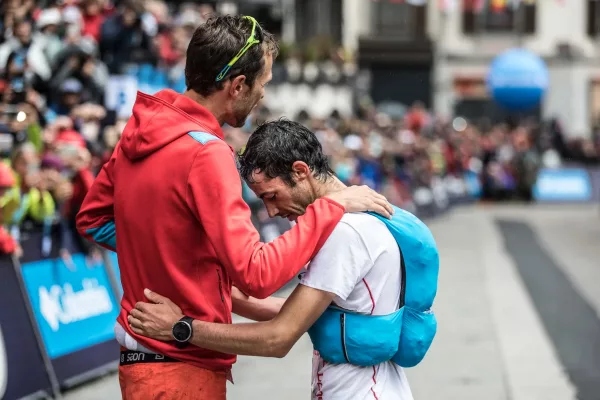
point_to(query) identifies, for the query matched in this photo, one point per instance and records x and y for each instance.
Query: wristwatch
(182, 330)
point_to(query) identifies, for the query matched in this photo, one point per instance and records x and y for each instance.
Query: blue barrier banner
(22, 370)
(74, 307)
(563, 185)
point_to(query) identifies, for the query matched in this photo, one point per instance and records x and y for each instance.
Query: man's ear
(237, 85)
(300, 170)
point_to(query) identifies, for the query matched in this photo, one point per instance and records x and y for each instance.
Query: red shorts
(171, 381)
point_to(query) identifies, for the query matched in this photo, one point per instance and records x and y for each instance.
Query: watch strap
(187, 319)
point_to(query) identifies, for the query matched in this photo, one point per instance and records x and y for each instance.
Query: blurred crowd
(415, 150)
(56, 60)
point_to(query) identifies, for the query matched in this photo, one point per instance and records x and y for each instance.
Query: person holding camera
(29, 198)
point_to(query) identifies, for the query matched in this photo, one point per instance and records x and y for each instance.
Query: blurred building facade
(411, 50)
(420, 51)
(564, 34)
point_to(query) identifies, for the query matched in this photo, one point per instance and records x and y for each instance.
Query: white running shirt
(360, 264)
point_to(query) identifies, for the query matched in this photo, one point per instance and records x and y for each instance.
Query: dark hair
(22, 21)
(137, 6)
(275, 146)
(215, 43)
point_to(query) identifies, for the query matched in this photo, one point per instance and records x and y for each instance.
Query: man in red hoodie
(170, 201)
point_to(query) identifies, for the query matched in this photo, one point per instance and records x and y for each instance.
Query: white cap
(47, 17)
(72, 15)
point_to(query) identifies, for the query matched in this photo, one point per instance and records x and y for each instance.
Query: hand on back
(363, 198)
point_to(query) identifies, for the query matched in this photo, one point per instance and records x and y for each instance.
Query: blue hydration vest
(342, 336)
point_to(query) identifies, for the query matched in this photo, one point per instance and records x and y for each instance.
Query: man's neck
(331, 185)
(209, 103)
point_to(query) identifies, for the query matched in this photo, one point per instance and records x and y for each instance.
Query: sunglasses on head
(256, 37)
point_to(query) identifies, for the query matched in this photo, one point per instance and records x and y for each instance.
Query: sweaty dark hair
(275, 146)
(215, 43)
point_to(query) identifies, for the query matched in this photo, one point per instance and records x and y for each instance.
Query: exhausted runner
(358, 269)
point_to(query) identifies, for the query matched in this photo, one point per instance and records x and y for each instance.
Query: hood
(160, 119)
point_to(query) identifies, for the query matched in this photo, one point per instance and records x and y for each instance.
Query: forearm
(273, 338)
(257, 310)
(274, 264)
(263, 339)
(256, 268)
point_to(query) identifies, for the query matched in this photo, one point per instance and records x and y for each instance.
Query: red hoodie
(170, 200)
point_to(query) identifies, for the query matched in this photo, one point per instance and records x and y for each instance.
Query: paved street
(518, 311)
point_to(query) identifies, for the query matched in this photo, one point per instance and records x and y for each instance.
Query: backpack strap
(402, 299)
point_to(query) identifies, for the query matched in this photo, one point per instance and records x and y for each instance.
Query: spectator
(123, 41)
(69, 179)
(78, 61)
(93, 17)
(525, 163)
(28, 47)
(69, 96)
(28, 198)
(48, 23)
(416, 117)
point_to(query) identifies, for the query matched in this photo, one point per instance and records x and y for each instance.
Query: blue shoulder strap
(390, 223)
(203, 137)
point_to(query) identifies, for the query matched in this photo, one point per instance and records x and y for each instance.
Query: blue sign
(518, 79)
(473, 184)
(563, 185)
(74, 308)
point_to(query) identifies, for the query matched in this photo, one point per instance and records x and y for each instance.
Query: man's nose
(272, 210)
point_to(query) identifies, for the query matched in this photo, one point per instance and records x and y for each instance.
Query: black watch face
(182, 331)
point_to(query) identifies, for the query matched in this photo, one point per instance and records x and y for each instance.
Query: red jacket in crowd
(170, 201)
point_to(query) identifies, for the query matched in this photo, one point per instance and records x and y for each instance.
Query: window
(398, 19)
(318, 18)
(593, 13)
(502, 19)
